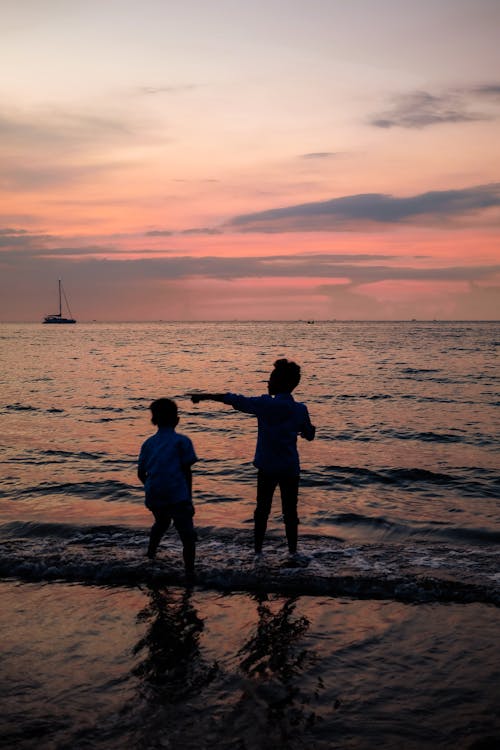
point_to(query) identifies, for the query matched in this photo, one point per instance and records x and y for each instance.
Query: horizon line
(307, 321)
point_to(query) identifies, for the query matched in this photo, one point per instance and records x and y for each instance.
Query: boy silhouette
(164, 467)
(280, 420)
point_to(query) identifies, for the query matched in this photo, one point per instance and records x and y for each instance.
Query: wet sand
(157, 667)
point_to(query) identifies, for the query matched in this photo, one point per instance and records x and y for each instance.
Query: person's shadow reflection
(271, 650)
(274, 660)
(172, 668)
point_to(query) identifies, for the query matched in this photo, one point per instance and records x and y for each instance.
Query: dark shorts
(181, 514)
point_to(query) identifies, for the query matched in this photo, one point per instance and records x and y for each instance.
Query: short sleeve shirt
(280, 420)
(164, 457)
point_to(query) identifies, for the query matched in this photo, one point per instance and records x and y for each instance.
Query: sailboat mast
(58, 317)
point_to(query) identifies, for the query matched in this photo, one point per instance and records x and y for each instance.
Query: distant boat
(58, 317)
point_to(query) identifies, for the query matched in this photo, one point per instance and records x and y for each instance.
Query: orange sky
(276, 160)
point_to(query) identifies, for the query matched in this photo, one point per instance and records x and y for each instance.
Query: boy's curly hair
(286, 373)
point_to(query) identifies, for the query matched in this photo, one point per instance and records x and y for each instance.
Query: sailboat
(58, 317)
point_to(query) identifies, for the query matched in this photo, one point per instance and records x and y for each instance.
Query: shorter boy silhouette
(280, 420)
(164, 467)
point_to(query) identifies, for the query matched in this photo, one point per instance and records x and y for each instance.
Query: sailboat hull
(57, 319)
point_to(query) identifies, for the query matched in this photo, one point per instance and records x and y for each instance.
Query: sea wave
(114, 555)
(51, 456)
(400, 531)
(376, 433)
(21, 407)
(109, 489)
(409, 479)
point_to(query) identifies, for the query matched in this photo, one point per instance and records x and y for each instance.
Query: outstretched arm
(197, 397)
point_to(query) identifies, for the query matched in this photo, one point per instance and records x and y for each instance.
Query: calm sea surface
(387, 637)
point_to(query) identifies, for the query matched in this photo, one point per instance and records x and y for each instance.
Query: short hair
(286, 373)
(164, 412)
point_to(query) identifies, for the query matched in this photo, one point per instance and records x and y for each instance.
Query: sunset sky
(221, 159)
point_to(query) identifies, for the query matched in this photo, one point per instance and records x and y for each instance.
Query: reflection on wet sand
(273, 711)
(265, 673)
(269, 651)
(172, 668)
(264, 706)
(149, 669)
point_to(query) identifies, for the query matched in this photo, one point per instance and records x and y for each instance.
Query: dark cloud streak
(490, 91)
(355, 269)
(347, 211)
(319, 155)
(420, 109)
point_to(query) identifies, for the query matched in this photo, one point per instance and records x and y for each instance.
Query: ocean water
(387, 636)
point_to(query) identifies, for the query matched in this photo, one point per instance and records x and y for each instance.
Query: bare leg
(266, 484)
(189, 555)
(289, 488)
(183, 521)
(158, 529)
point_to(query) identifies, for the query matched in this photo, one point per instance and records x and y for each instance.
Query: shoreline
(225, 562)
